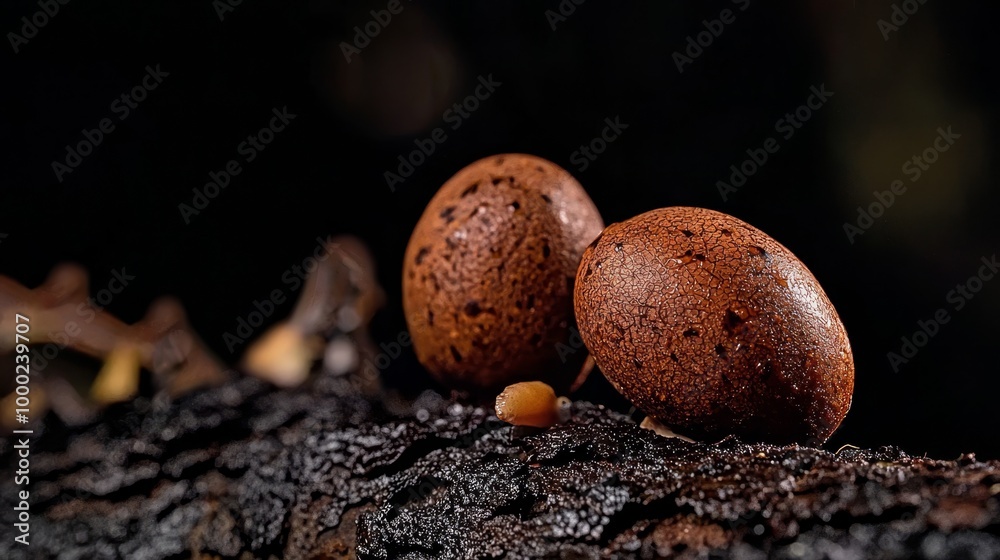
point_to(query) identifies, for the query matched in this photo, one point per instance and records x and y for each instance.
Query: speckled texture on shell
(712, 327)
(488, 274)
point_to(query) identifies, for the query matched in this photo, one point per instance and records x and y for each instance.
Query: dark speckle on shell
(733, 333)
(489, 270)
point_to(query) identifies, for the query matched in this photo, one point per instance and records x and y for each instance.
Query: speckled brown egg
(712, 327)
(488, 275)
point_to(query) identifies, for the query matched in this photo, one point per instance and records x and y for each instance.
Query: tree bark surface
(248, 471)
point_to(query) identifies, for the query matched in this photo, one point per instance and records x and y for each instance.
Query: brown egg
(713, 328)
(489, 270)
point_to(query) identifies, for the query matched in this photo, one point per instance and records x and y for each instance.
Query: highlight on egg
(489, 271)
(711, 327)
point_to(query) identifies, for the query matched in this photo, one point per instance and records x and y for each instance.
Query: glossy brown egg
(712, 327)
(489, 270)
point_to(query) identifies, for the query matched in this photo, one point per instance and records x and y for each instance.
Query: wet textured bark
(244, 471)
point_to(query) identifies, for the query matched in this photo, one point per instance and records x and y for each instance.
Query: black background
(324, 174)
